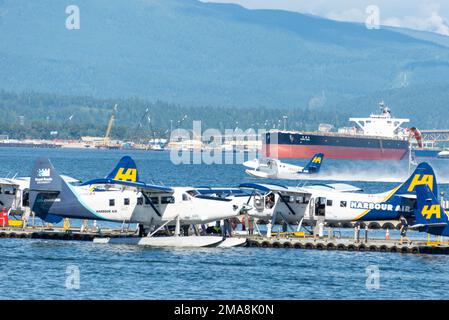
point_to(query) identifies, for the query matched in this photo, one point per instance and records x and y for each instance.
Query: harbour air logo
(379, 206)
(429, 211)
(316, 160)
(43, 173)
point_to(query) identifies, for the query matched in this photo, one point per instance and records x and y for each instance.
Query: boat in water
(443, 154)
(378, 137)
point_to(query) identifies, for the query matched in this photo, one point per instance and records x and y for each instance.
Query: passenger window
(329, 203)
(126, 201)
(155, 200)
(139, 201)
(165, 200)
(342, 204)
(111, 202)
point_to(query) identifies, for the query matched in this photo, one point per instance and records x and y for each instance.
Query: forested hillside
(196, 54)
(36, 115)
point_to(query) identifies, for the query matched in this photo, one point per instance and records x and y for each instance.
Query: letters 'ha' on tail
(423, 175)
(315, 164)
(430, 215)
(126, 170)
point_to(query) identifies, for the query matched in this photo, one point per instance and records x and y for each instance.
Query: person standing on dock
(404, 228)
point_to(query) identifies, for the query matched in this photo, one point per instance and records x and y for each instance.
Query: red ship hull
(331, 152)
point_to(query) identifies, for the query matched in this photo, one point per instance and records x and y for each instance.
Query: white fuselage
(127, 204)
(313, 204)
(271, 168)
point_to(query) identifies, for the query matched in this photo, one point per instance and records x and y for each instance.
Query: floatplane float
(335, 202)
(122, 197)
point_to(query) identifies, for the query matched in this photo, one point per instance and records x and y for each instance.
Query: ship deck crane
(109, 128)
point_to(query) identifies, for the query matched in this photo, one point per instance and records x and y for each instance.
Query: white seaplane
(270, 168)
(335, 202)
(122, 197)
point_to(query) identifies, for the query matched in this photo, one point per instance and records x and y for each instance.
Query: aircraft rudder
(314, 164)
(429, 209)
(125, 170)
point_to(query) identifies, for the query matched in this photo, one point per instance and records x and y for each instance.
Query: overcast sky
(428, 15)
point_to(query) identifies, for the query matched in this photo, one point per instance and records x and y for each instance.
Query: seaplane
(122, 197)
(270, 168)
(335, 202)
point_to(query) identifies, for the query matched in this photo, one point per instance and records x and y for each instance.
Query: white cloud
(432, 23)
(426, 15)
(354, 15)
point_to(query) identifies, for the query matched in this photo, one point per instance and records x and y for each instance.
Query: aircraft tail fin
(315, 164)
(125, 170)
(430, 215)
(423, 175)
(45, 187)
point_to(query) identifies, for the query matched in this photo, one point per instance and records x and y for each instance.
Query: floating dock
(61, 234)
(276, 241)
(349, 244)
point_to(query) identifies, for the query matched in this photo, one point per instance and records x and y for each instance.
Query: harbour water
(43, 269)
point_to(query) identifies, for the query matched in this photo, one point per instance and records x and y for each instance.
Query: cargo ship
(377, 137)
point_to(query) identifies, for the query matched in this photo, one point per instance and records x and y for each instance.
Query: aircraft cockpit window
(185, 197)
(193, 193)
(165, 200)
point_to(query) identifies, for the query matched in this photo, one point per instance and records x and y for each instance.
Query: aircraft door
(320, 207)
(311, 208)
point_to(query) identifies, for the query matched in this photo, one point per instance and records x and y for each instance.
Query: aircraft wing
(139, 185)
(339, 187)
(265, 188)
(211, 190)
(344, 187)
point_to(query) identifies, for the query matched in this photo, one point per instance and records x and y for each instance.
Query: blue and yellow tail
(315, 164)
(401, 200)
(126, 170)
(430, 215)
(423, 175)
